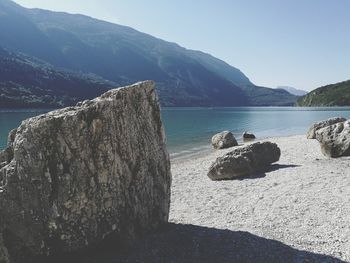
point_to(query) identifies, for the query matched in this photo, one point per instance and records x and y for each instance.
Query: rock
(245, 161)
(4, 256)
(223, 140)
(7, 154)
(311, 134)
(247, 135)
(84, 173)
(335, 139)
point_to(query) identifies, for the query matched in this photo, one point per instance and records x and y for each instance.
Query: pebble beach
(302, 202)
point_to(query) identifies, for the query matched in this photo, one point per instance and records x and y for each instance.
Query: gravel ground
(303, 202)
(299, 211)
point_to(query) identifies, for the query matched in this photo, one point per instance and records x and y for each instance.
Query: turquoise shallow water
(189, 130)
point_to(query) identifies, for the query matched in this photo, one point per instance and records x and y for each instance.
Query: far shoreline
(186, 107)
(210, 150)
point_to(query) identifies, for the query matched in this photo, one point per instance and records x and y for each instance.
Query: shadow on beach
(178, 243)
(273, 167)
(277, 166)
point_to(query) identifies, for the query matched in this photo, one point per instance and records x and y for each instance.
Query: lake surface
(190, 129)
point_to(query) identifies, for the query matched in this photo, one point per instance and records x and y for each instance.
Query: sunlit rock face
(335, 139)
(72, 177)
(245, 161)
(311, 134)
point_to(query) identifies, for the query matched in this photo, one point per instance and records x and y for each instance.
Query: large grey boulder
(245, 161)
(84, 173)
(223, 140)
(311, 134)
(335, 139)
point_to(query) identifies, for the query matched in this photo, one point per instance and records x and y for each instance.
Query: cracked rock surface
(335, 139)
(72, 177)
(311, 134)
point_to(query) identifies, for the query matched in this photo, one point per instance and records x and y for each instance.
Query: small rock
(311, 134)
(223, 140)
(247, 135)
(245, 161)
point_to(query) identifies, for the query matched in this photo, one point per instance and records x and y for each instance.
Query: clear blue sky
(299, 43)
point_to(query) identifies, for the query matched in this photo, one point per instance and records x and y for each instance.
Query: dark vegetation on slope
(331, 95)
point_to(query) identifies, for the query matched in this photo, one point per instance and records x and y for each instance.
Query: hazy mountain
(294, 91)
(123, 55)
(331, 95)
(25, 82)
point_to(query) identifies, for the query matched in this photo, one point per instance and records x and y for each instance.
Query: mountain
(123, 55)
(294, 91)
(25, 82)
(331, 95)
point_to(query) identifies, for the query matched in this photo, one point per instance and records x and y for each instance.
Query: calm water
(190, 129)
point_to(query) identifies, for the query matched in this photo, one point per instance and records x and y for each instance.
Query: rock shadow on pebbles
(179, 243)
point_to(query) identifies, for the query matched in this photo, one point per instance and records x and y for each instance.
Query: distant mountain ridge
(123, 55)
(293, 91)
(337, 94)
